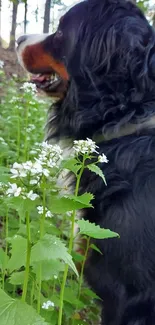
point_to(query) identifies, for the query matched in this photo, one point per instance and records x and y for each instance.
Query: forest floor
(11, 65)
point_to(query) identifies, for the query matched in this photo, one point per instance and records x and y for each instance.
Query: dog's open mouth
(51, 83)
(47, 80)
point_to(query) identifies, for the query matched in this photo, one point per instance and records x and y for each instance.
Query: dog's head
(100, 62)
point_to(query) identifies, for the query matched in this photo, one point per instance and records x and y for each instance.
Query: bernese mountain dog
(100, 65)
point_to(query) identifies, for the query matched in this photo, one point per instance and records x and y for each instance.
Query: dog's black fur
(112, 71)
(108, 48)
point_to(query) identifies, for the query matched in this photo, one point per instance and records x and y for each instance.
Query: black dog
(103, 54)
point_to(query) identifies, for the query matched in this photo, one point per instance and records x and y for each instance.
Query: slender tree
(50, 5)
(13, 23)
(47, 16)
(25, 15)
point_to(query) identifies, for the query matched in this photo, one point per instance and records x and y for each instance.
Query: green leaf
(89, 293)
(4, 174)
(73, 165)
(48, 269)
(17, 278)
(70, 295)
(16, 312)
(95, 248)
(3, 259)
(51, 248)
(94, 231)
(95, 169)
(83, 199)
(21, 206)
(18, 253)
(77, 257)
(80, 322)
(65, 204)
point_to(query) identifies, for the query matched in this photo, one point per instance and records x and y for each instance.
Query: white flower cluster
(29, 88)
(48, 213)
(30, 128)
(48, 304)
(14, 190)
(88, 147)
(50, 155)
(1, 64)
(85, 146)
(14, 99)
(28, 168)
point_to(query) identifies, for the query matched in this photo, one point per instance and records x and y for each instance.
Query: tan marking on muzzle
(35, 59)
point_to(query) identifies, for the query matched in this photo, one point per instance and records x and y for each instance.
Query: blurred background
(38, 16)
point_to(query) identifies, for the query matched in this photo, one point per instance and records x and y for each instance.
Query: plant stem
(18, 136)
(42, 230)
(6, 245)
(26, 279)
(32, 294)
(70, 248)
(25, 141)
(42, 220)
(82, 267)
(39, 290)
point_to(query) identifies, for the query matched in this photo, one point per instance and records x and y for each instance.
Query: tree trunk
(0, 22)
(47, 16)
(25, 16)
(13, 25)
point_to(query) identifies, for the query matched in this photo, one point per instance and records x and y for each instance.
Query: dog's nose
(22, 39)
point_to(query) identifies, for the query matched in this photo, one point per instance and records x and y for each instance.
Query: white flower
(46, 172)
(32, 103)
(30, 128)
(14, 99)
(29, 88)
(55, 277)
(13, 190)
(28, 165)
(27, 168)
(33, 152)
(49, 156)
(18, 170)
(51, 163)
(47, 304)
(69, 213)
(31, 195)
(85, 146)
(48, 214)
(102, 158)
(3, 141)
(34, 181)
(36, 168)
(1, 64)
(40, 209)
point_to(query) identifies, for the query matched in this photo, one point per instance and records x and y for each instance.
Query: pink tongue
(40, 78)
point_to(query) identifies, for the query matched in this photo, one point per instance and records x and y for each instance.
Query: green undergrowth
(39, 280)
